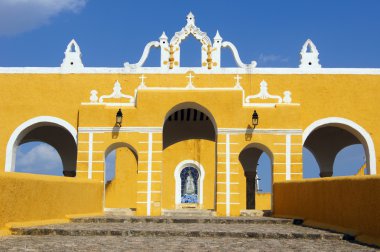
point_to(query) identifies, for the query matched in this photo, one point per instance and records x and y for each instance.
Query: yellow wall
(263, 201)
(121, 191)
(200, 150)
(27, 197)
(345, 204)
(62, 95)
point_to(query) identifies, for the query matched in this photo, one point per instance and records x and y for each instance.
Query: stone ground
(115, 243)
(176, 234)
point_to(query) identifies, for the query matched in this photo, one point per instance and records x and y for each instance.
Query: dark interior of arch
(325, 143)
(61, 140)
(249, 158)
(185, 124)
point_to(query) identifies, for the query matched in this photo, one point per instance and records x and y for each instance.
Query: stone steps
(180, 227)
(162, 219)
(188, 212)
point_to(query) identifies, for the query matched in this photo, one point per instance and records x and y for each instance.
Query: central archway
(189, 139)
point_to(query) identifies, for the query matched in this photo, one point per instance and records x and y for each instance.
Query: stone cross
(237, 83)
(190, 83)
(142, 83)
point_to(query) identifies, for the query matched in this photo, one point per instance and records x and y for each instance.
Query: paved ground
(114, 243)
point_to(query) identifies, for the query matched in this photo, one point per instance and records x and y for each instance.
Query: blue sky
(36, 32)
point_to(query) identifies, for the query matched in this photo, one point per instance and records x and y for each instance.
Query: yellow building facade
(187, 138)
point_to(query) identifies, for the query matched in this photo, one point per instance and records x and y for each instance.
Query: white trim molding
(355, 129)
(177, 177)
(228, 175)
(20, 132)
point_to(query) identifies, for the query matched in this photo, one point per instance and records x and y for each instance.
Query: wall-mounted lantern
(119, 118)
(255, 119)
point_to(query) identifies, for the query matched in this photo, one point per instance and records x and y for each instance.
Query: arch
(121, 192)
(177, 177)
(261, 147)
(356, 130)
(116, 145)
(248, 158)
(22, 130)
(187, 121)
(193, 105)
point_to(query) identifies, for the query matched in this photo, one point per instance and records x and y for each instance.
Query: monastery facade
(190, 137)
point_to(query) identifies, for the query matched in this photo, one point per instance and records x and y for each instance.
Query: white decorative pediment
(171, 51)
(265, 95)
(72, 61)
(116, 94)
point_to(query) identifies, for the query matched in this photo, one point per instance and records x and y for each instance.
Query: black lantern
(255, 119)
(119, 118)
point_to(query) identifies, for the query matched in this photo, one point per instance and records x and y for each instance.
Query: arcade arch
(120, 192)
(53, 131)
(325, 138)
(249, 158)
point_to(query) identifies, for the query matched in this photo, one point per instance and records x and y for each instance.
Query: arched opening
(338, 142)
(40, 133)
(189, 133)
(120, 176)
(38, 158)
(188, 121)
(257, 160)
(191, 52)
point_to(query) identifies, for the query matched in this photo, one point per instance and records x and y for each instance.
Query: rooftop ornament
(170, 51)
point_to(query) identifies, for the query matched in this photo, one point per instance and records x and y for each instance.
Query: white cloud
(17, 16)
(268, 58)
(40, 159)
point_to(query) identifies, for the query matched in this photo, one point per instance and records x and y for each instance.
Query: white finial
(217, 36)
(237, 83)
(190, 19)
(287, 97)
(72, 60)
(309, 55)
(142, 83)
(163, 36)
(190, 83)
(94, 97)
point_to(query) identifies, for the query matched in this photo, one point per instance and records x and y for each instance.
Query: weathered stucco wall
(27, 197)
(345, 204)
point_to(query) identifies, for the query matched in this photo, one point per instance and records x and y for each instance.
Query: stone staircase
(117, 232)
(241, 227)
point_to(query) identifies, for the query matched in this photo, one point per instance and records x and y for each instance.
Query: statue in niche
(189, 190)
(190, 185)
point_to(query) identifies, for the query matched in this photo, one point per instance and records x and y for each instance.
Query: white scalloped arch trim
(352, 127)
(21, 131)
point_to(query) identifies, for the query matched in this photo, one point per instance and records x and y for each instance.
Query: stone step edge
(181, 220)
(166, 233)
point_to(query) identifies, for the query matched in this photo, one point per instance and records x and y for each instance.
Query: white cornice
(159, 130)
(183, 70)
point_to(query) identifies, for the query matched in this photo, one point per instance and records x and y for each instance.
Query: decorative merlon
(72, 61)
(309, 56)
